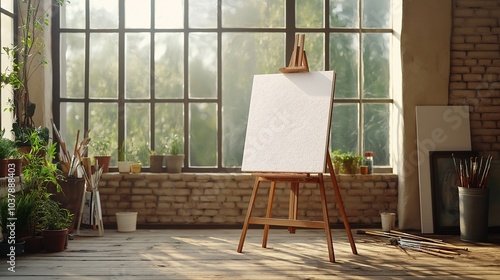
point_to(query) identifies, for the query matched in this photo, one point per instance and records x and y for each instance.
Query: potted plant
(102, 153)
(156, 160)
(7, 149)
(40, 173)
(21, 206)
(473, 197)
(175, 157)
(55, 221)
(349, 162)
(123, 164)
(335, 157)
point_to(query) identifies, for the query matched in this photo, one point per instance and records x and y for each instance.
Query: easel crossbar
(286, 222)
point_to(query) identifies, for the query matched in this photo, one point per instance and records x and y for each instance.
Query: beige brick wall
(475, 69)
(222, 199)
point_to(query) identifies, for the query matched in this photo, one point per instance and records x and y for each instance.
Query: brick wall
(222, 199)
(475, 69)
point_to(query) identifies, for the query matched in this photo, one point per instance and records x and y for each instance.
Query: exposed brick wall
(475, 69)
(216, 199)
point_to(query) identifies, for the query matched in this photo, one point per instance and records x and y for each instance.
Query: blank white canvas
(289, 122)
(439, 128)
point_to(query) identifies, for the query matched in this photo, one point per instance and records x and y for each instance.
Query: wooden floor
(211, 254)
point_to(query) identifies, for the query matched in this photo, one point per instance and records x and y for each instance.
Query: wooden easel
(298, 63)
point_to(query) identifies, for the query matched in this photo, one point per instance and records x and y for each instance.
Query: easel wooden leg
(249, 214)
(294, 204)
(326, 219)
(268, 213)
(341, 204)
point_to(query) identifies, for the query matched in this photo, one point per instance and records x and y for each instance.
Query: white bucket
(388, 221)
(126, 221)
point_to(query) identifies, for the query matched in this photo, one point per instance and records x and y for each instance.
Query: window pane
(203, 14)
(344, 13)
(169, 117)
(315, 51)
(72, 122)
(137, 131)
(73, 14)
(103, 14)
(267, 49)
(137, 65)
(344, 61)
(203, 135)
(138, 14)
(169, 13)
(8, 5)
(169, 65)
(253, 13)
(103, 121)
(73, 63)
(309, 13)
(376, 13)
(103, 60)
(376, 131)
(376, 55)
(203, 65)
(345, 128)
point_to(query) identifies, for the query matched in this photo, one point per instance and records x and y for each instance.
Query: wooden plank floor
(211, 254)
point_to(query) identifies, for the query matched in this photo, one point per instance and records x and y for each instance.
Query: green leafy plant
(348, 162)
(101, 147)
(54, 217)
(174, 144)
(26, 58)
(39, 171)
(121, 151)
(7, 148)
(25, 205)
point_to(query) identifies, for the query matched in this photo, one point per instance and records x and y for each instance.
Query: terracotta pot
(55, 240)
(70, 197)
(104, 162)
(4, 167)
(18, 165)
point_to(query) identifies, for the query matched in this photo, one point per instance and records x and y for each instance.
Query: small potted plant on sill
(175, 157)
(156, 159)
(349, 162)
(102, 153)
(123, 164)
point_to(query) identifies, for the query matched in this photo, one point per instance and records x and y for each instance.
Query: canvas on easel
(289, 122)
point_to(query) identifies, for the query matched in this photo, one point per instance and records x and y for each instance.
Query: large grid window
(135, 71)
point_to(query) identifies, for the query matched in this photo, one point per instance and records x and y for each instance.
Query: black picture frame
(444, 182)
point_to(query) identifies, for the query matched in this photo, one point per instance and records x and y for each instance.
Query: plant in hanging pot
(55, 222)
(473, 197)
(175, 157)
(101, 152)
